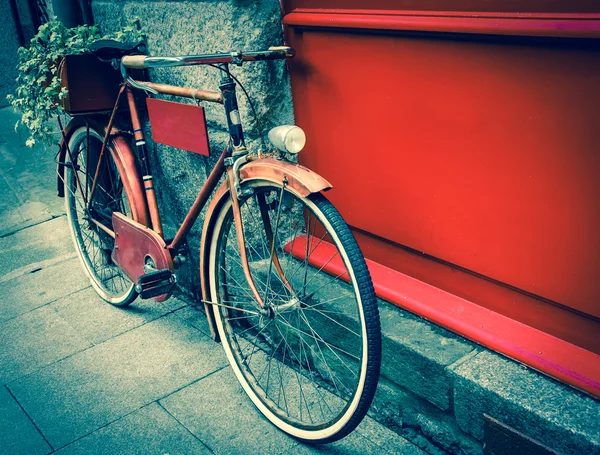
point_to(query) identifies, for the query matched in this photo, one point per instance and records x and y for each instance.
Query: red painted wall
(470, 162)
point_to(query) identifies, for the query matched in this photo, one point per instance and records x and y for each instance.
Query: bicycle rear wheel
(94, 246)
(310, 359)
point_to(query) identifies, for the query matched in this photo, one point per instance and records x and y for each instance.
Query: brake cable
(256, 118)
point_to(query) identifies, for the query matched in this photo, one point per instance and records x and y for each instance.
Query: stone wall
(181, 28)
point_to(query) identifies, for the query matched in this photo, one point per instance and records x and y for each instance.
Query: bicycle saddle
(108, 49)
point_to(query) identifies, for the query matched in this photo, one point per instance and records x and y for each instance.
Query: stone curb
(555, 414)
(436, 387)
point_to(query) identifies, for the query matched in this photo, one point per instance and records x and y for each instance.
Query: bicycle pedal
(155, 283)
(155, 275)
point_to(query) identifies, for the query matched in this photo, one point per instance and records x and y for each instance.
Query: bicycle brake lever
(135, 84)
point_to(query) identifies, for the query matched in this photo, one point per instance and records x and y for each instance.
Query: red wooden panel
(178, 125)
(481, 154)
(522, 6)
(520, 24)
(546, 353)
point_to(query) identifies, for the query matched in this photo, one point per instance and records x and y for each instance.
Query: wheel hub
(291, 305)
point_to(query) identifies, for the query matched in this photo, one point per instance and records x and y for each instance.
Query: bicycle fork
(270, 234)
(241, 241)
(236, 157)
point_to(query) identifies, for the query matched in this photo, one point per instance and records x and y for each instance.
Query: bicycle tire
(93, 245)
(334, 350)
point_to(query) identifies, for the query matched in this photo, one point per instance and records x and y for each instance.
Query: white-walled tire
(309, 361)
(94, 246)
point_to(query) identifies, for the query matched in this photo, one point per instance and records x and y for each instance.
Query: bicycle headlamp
(288, 138)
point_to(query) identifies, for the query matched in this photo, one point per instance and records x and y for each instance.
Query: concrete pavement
(78, 376)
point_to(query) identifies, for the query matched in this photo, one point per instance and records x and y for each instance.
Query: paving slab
(552, 413)
(8, 200)
(27, 179)
(35, 244)
(22, 214)
(147, 431)
(353, 444)
(174, 303)
(33, 290)
(35, 267)
(369, 438)
(34, 340)
(98, 321)
(18, 436)
(207, 407)
(78, 395)
(385, 438)
(194, 315)
(217, 411)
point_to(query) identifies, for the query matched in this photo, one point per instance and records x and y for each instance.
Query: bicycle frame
(289, 330)
(150, 194)
(140, 189)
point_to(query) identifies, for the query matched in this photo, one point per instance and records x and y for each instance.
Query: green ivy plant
(38, 81)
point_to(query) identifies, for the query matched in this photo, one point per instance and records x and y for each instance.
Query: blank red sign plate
(179, 125)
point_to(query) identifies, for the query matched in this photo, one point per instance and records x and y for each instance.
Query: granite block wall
(195, 27)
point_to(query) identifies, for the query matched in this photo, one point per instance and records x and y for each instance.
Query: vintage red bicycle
(284, 284)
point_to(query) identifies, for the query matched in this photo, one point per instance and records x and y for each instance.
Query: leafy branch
(39, 90)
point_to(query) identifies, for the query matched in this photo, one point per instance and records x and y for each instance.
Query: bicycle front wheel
(309, 360)
(88, 211)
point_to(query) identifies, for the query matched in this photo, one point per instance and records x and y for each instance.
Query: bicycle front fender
(300, 180)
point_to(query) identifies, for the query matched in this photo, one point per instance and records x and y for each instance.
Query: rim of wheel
(93, 245)
(306, 356)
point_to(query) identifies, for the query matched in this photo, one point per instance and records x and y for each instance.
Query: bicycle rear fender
(299, 180)
(124, 159)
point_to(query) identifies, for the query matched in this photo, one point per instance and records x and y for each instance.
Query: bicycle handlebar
(142, 61)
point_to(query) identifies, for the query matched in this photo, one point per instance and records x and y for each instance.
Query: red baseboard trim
(548, 354)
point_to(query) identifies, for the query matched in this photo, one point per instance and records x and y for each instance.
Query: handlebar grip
(283, 51)
(134, 61)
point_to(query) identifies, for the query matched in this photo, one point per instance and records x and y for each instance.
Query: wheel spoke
(95, 245)
(301, 355)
